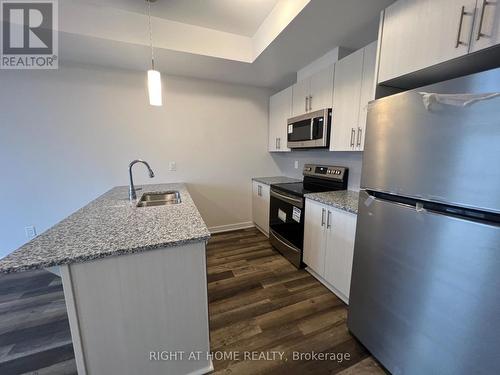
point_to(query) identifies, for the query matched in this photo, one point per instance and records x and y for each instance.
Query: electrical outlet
(296, 164)
(172, 166)
(30, 232)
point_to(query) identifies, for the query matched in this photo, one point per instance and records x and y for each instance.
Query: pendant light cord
(151, 35)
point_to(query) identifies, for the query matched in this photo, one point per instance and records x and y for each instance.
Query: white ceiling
(241, 17)
(321, 26)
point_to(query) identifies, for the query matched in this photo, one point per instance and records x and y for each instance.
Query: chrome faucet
(132, 196)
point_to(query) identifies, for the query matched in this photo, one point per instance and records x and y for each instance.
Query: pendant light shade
(154, 76)
(154, 88)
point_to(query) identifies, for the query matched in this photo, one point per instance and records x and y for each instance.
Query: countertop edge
(275, 180)
(339, 206)
(92, 257)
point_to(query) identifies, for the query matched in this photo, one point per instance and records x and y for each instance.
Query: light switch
(172, 166)
(296, 164)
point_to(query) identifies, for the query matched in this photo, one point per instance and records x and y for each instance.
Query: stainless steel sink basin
(159, 199)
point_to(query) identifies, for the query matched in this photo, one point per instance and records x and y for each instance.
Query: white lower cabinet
(314, 236)
(260, 206)
(329, 235)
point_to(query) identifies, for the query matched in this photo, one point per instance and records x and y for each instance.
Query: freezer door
(425, 290)
(445, 154)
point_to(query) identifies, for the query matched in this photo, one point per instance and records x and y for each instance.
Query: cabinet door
(341, 233)
(280, 110)
(255, 202)
(346, 102)
(487, 25)
(367, 91)
(321, 89)
(260, 205)
(264, 208)
(314, 236)
(421, 33)
(301, 91)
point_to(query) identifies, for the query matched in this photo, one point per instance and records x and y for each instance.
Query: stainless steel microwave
(311, 130)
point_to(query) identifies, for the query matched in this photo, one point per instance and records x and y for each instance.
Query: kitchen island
(134, 282)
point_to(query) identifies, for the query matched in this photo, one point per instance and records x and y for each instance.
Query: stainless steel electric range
(286, 215)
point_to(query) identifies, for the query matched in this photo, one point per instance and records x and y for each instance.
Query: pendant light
(154, 77)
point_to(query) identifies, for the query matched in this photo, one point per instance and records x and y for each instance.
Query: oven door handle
(294, 201)
(284, 242)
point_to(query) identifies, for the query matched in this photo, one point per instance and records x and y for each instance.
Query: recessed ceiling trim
(88, 19)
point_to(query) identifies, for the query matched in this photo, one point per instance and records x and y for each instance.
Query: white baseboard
(231, 227)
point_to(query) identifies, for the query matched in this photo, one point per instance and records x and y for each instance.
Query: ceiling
(317, 28)
(242, 17)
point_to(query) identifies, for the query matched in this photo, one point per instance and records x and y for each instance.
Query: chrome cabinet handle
(276, 143)
(328, 224)
(353, 134)
(307, 98)
(481, 19)
(360, 132)
(310, 102)
(259, 190)
(279, 143)
(460, 24)
(322, 217)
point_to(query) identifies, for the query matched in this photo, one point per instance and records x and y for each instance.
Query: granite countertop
(110, 226)
(275, 180)
(346, 200)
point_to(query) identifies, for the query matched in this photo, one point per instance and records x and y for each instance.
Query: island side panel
(74, 325)
(125, 307)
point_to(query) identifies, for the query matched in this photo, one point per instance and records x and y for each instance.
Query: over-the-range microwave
(311, 130)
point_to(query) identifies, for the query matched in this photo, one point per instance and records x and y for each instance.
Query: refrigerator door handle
(437, 208)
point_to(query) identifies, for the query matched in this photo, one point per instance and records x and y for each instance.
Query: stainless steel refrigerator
(425, 289)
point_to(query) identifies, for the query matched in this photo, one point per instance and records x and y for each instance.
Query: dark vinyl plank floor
(258, 302)
(34, 328)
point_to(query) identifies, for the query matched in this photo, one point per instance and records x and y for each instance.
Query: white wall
(67, 136)
(323, 62)
(351, 160)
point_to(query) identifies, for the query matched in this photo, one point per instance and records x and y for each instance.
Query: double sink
(159, 199)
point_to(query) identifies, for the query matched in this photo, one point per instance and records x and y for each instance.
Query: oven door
(309, 130)
(286, 224)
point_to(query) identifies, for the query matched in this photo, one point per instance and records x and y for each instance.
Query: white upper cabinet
(417, 34)
(313, 93)
(280, 110)
(346, 102)
(367, 91)
(321, 89)
(301, 92)
(354, 87)
(487, 25)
